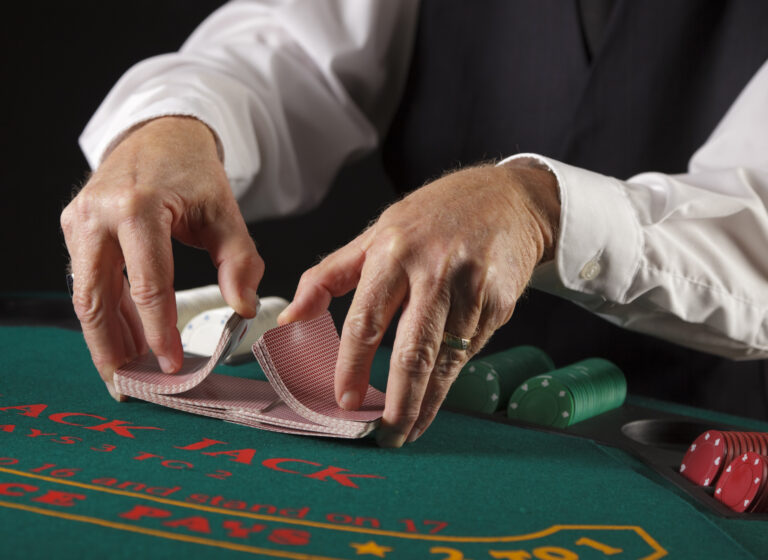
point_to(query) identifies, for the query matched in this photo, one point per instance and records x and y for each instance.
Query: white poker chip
(190, 303)
(201, 334)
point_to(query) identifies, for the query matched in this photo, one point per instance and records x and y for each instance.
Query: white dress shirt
(293, 89)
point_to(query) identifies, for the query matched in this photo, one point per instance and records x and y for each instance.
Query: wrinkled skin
(164, 180)
(453, 256)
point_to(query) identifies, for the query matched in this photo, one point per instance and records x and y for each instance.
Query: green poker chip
(570, 394)
(476, 389)
(516, 365)
(542, 400)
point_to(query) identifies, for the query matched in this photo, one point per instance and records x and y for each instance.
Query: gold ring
(456, 341)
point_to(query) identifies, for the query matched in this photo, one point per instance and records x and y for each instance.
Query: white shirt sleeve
(682, 257)
(291, 89)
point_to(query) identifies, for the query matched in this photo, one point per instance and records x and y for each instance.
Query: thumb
(240, 266)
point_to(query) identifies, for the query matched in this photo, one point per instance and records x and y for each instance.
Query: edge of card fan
(305, 391)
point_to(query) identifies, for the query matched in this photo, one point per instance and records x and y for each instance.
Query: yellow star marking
(371, 548)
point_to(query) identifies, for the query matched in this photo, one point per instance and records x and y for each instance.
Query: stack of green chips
(514, 366)
(569, 395)
(476, 389)
(485, 385)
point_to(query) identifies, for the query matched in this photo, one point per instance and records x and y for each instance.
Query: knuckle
(393, 243)
(133, 203)
(66, 220)
(449, 363)
(253, 261)
(417, 360)
(80, 210)
(88, 212)
(308, 276)
(146, 294)
(366, 328)
(86, 203)
(88, 308)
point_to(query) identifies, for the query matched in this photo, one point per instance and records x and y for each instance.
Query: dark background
(58, 61)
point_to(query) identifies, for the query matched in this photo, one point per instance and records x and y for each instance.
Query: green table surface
(82, 476)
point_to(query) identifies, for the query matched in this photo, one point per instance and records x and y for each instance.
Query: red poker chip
(760, 503)
(705, 458)
(742, 484)
(762, 442)
(755, 443)
(732, 447)
(750, 442)
(741, 446)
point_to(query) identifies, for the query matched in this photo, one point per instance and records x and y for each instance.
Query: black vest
(492, 78)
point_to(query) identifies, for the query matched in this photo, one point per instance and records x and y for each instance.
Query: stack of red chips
(742, 485)
(736, 462)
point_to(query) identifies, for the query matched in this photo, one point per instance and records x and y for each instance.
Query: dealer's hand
(454, 256)
(163, 180)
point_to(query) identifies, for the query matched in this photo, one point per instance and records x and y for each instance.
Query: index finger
(146, 245)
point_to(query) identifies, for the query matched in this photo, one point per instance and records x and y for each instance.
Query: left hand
(454, 256)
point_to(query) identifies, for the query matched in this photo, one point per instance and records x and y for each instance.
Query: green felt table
(82, 476)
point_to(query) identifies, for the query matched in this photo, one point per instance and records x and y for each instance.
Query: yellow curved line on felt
(165, 534)
(657, 548)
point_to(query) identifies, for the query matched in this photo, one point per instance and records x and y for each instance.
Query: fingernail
(284, 317)
(389, 439)
(165, 364)
(415, 433)
(349, 400)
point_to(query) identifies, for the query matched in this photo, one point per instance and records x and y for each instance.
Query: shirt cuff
(600, 242)
(103, 134)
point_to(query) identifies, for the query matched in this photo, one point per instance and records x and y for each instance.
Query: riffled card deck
(299, 360)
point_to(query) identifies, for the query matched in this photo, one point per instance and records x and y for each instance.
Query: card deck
(299, 360)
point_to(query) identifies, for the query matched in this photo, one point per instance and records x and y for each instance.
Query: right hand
(163, 180)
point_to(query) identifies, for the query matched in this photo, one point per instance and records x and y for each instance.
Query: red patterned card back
(303, 356)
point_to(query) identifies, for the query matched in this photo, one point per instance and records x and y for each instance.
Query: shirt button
(590, 270)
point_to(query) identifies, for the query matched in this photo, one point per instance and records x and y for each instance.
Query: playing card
(299, 360)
